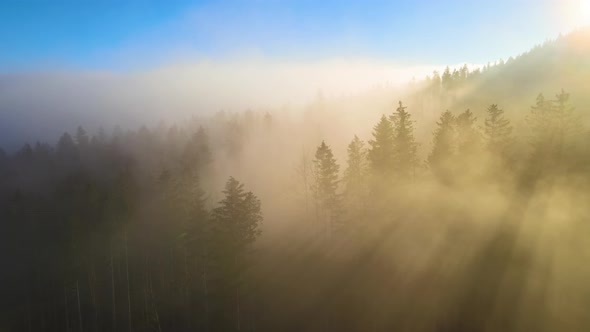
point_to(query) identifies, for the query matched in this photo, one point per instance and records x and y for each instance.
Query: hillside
(563, 63)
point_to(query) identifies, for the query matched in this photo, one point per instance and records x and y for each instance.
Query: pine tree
(356, 182)
(101, 137)
(468, 138)
(447, 79)
(196, 246)
(554, 129)
(464, 72)
(238, 215)
(66, 148)
(354, 175)
(404, 144)
(567, 124)
(435, 84)
(539, 122)
(326, 186)
(381, 152)
(196, 152)
(456, 78)
(497, 131)
(25, 154)
(235, 227)
(81, 137)
(443, 148)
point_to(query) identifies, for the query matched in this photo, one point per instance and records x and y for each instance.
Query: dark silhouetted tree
(82, 138)
(235, 227)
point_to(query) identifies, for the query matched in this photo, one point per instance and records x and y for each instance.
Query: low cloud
(40, 106)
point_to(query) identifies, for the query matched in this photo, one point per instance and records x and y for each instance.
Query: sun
(584, 12)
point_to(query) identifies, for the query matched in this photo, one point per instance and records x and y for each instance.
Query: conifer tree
(404, 144)
(443, 148)
(66, 148)
(238, 216)
(235, 227)
(381, 151)
(554, 128)
(326, 186)
(539, 122)
(196, 251)
(196, 152)
(435, 84)
(81, 137)
(354, 175)
(567, 124)
(447, 79)
(456, 78)
(464, 72)
(25, 154)
(468, 138)
(497, 130)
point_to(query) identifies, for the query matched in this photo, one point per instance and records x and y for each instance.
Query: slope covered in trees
(563, 62)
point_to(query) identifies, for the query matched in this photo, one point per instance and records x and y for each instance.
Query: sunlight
(584, 13)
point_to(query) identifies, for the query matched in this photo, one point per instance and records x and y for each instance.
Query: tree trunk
(205, 291)
(154, 304)
(237, 296)
(67, 311)
(128, 289)
(79, 307)
(114, 305)
(91, 284)
(238, 307)
(28, 316)
(187, 297)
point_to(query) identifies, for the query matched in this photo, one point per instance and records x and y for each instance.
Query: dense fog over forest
(39, 106)
(327, 195)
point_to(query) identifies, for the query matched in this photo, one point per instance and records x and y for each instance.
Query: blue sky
(121, 35)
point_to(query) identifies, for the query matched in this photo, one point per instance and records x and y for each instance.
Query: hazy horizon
(120, 60)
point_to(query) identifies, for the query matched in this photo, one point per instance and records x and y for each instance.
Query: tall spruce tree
(443, 146)
(554, 129)
(405, 148)
(497, 131)
(447, 79)
(539, 122)
(355, 176)
(326, 187)
(568, 126)
(196, 153)
(381, 151)
(356, 170)
(235, 227)
(468, 137)
(82, 137)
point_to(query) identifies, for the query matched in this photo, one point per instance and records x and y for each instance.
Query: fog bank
(40, 105)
